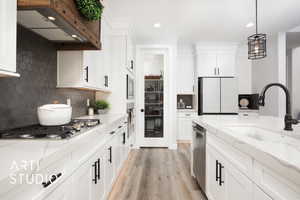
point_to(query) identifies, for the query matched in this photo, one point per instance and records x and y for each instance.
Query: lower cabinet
(184, 125)
(259, 194)
(224, 181)
(63, 192)
(88, 181)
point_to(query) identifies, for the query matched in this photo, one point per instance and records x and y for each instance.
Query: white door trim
(169, 97)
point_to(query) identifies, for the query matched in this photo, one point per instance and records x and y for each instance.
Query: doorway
(152, 95)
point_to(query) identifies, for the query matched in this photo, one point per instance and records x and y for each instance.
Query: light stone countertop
(44, 152)
(262, 138)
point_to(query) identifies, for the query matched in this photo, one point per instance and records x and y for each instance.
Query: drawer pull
(53, 178)
(113, 132)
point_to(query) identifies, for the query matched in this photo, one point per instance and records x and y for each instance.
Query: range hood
(60, 21)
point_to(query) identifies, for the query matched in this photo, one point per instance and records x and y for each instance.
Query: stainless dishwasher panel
(199, 155)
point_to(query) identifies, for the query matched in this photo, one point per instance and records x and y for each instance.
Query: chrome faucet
(288, 119)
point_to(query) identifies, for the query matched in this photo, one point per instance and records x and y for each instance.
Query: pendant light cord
(256, 16)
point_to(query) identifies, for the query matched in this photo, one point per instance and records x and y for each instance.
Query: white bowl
(54, 114)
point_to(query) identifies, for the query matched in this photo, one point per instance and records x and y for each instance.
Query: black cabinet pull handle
(124, 138)
(217, 170)
(53, 178)
(110, 154)
(98, 163)
(120, 126)
(86, 73)
(113, 132)
(220, 173)
(106, 81)
(95, 171)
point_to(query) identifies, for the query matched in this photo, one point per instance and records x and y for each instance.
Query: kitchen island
(251, 158)
(91, 159)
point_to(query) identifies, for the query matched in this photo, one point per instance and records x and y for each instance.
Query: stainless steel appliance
(217, 95)
(199, 154)
(130, 87)
(131, 119)
(74, 128)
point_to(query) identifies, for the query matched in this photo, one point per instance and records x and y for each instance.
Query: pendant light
(257, 43)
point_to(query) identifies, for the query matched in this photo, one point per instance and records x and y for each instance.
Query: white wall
(265, 71)
(244, 70)
(296, 81)
(153, 64)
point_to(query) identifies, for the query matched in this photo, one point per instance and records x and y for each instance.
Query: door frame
(169, 102)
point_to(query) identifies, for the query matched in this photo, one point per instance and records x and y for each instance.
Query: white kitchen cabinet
(258, 194)
(8, 38)
(83, 70)
(224, 181)
(62, 192)
(275, 185)
(226, 63)
(185, 74)
(83, 181)
(207, 64)
(184, 125)
(216, 61)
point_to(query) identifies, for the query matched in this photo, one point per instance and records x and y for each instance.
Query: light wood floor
(157, 174)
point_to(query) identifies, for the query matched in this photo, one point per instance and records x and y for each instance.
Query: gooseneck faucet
(288, 119)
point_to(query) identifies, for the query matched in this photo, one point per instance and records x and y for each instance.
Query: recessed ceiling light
(51, 18)
(157, 25)
(250, 24)
(74, 36)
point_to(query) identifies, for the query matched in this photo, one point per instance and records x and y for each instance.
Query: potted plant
(101, 106)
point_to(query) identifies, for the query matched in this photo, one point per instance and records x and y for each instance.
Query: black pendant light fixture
(257, 43)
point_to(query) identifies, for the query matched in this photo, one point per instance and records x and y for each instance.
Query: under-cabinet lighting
(51, 18)
(250, 24)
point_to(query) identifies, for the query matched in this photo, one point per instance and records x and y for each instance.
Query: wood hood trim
(70, 20)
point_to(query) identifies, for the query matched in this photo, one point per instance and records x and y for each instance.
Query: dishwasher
(199, 154)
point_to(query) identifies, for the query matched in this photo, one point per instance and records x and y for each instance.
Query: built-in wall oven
(199, 154)
(131, 119)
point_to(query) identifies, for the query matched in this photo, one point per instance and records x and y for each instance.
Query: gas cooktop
(75, 127)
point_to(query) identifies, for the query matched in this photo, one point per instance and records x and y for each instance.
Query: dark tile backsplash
(37, 64)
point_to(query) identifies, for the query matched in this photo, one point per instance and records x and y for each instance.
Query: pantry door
(151, 99)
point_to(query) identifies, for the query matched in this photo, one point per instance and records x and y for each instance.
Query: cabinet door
(226, 63)
(62, 192)
(185, 74)
(211, 95)
(116, 158)
(109, 170)
(82, 182)
(229, 95)
(184, 128)
(237, 185)
(98, 189)
(258, 194)
(213, 190)
(207, 64)
(8, 35)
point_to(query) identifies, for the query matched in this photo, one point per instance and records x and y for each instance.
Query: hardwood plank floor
(157, 174)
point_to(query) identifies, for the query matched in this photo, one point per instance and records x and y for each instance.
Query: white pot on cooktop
(54, 114)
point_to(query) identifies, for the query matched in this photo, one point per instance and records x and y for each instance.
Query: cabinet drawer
(186, 114)
(240, 160)
(275, 185)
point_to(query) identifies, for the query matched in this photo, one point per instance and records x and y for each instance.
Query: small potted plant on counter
(101, 106)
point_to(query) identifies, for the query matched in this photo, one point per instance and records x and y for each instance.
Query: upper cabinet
(60, 22)
(185, 74)
(8, 36)
(87, 69)
(216, 60)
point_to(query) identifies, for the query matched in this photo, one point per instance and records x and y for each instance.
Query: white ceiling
(197, 20)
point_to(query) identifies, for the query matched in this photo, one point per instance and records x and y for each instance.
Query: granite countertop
(44, 152)
(262, 138)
